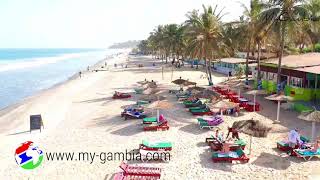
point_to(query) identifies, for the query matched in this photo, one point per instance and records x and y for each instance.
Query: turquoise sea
(24, 72)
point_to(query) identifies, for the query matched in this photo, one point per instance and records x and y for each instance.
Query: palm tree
(253, 35)
(205, 39)
(312, 27)
(281, 13)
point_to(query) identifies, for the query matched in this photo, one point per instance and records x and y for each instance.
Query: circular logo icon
(28, 155)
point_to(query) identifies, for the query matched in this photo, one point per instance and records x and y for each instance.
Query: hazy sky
(93, 23)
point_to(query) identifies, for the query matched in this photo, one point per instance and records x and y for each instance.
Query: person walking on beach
(80, 74)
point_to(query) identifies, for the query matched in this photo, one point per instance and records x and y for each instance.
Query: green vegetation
(266, 26)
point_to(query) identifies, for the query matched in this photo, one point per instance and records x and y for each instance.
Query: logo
(28, 156)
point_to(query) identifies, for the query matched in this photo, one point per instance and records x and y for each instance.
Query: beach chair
(139, 90)
(284, 144)
(150, 120)
(216, 145)
(307, 154)
(119, 95)
(141, 102)
(161, 126)
(133, 115)
(231, 156)
(202, 106)
(189, 104)
(209, 122)
(202, 112)
(183, 95)
(160, 154)
(137, 172)
(156, 145)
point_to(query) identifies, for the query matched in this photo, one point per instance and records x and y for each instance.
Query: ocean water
(24, 72)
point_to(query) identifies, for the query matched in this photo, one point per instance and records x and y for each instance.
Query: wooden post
(278, 112)
(162, 72)
(250, 145)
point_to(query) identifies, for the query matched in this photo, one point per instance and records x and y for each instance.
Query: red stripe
(23, 147)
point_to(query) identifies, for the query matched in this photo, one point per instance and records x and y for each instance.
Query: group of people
(295, 142)
(227, 141)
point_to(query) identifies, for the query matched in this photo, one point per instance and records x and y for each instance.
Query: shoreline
(70, 78)
(54, 87)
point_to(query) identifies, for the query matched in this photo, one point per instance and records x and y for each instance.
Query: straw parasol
(207, 94)
(314, 117)
(150, 91)
(253, 128)
(223, 104)
(160, 105)
(143, 82)
(279, 98)
(256, 92)
(189, 83)
(196, 88)
(240, 86)
(152, 97)
(179, 81)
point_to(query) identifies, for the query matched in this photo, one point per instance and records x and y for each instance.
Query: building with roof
(300, 76)
(228, 66)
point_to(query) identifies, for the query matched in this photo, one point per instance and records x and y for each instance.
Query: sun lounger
(174, 91)
(156, 127)
(201, 112)
(156, 145)
(119, 95)
(237, 155)
(150, 120)
(133, 115)
(189, 104)
(216, 145)
(307, 154)
(138, 172)
(210, 122)
(284, 145)
(139, 90)
(140, 102)
(202, 106)
(161, 154)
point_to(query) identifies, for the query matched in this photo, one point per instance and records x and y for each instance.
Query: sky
(93, 23)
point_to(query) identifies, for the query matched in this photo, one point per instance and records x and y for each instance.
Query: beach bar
(228, 66)
(300, 76)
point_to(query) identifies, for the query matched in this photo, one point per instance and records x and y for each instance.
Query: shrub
(306, 50)
(317, 47)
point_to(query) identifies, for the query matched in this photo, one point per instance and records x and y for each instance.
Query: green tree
(205, 38)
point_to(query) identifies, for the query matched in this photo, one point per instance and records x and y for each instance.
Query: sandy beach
(81, 116)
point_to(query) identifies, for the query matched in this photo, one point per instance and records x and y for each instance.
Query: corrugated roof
(313, 69)
(298, 61)
(235, 60)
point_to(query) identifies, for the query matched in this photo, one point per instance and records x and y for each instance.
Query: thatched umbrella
(189, 83)
(279, 98)
(143, 82)
(255, 93)
(160, 105)
(152, 97)
(314, 117)
(179, 81)
(240, 86)
(253, 128)
(150, 91)
(196, 88)
(207, 93)
(223, 104)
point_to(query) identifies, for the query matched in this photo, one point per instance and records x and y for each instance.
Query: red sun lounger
(143, 172)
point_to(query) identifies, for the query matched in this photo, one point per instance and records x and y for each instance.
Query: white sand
(80, 115)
